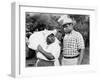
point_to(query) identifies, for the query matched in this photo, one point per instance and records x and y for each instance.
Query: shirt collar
(71, 32)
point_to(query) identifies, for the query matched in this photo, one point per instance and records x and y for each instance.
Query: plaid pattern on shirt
(72, 43)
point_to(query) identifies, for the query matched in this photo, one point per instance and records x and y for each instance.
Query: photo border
(16, 54)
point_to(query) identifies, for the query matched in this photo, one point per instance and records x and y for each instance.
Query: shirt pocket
(72, 44)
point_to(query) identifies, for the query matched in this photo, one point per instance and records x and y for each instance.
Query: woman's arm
(46, 54)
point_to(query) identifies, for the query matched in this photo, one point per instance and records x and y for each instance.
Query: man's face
(68, 27)
(59, 35)
(50, 39)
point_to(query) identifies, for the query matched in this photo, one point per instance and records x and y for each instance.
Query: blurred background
(38, 21)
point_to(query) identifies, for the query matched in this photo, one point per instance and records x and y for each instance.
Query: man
(37, 41)
(73, 43)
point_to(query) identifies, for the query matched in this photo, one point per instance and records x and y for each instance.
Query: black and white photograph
(54, 39)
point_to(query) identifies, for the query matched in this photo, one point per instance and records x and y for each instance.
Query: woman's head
(50, 38)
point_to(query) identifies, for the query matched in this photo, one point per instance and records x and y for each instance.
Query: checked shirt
(72, 43)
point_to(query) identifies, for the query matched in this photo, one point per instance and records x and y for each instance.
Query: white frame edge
(15, 71)
(15, 35)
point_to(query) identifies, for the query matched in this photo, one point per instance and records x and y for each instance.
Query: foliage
(37, 22)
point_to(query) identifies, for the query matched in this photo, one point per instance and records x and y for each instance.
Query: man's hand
(78, 63)
(80, 57)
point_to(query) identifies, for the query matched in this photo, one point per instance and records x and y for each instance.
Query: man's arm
(46, 54)
(81, 47)
(81, 56)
